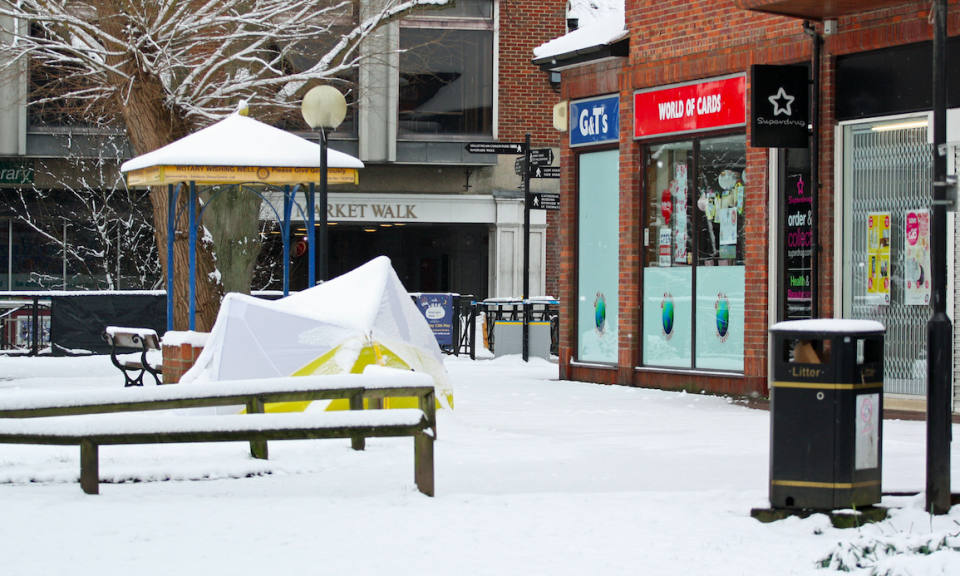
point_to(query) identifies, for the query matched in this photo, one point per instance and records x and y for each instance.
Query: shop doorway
(426, 257)
(887, 169)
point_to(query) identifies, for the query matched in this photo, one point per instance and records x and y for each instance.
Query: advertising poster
(438, 310)
(665, 247)
(598, 284)
(667, 317)
(878, 258)
(678, 188)
(916, 255)
(720, 316)
(867, 444)
(799, 231)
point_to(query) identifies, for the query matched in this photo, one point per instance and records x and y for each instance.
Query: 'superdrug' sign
(595, 121)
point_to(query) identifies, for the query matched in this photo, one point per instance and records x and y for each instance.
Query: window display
(695, 201)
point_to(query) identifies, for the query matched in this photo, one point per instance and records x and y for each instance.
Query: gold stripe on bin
(827, 485)
(827, 385)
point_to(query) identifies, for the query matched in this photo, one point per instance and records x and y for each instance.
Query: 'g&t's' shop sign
(711, 105)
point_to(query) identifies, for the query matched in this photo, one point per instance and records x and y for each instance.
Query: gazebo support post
(285, 232)
(192, 210)
(171, 231)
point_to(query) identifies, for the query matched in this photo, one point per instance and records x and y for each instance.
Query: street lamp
(323, 107)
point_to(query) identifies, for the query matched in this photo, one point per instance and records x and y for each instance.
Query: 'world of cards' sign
(595, 121)
(712, 105)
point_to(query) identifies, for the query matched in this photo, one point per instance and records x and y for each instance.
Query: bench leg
(428, 404)
(356, 403)
(423, 462)
(258, 448)
(89, 467)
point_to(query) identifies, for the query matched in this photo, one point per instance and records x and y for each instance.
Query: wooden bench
(90, 435)
(142, 339)
(377, 384)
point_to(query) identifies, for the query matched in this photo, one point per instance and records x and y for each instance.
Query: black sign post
(781, 107)
(526, 255)
(531, 164)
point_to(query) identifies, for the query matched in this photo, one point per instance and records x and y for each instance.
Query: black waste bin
(826, 414)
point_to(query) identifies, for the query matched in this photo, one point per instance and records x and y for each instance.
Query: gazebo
(238, 151)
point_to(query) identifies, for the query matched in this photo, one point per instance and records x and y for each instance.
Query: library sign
(693, 107)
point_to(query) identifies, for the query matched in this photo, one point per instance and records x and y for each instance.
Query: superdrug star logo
(782, 103)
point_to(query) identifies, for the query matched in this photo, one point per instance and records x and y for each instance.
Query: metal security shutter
(891, 172)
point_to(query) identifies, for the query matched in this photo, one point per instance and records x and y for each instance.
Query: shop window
(694, 243)
(446, 72)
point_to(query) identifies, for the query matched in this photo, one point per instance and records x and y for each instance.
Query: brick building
(449, 220)
(681, 242)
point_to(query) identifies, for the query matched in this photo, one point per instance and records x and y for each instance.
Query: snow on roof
(240, 141)
(601, 23)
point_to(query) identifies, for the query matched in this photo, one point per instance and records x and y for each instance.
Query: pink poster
(916, 256)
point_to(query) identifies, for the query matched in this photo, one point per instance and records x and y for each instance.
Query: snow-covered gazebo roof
(240, 149)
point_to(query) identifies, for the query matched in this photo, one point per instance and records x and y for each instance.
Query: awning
(817, 9)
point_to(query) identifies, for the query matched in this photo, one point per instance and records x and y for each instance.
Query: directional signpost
(531, 164)
(545, 201)
(544, 171)
(496, 148)
(541, 157)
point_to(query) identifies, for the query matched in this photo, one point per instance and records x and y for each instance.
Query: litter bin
(826, 414)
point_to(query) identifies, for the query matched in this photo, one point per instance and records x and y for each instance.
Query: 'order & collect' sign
(690, 107)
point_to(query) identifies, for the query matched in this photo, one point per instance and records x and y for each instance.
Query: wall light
(915, 123)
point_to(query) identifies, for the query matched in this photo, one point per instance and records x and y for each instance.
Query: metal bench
(142, 339)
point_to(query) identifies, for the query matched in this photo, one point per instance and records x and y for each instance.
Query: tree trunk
(151, 125)
(233, 218)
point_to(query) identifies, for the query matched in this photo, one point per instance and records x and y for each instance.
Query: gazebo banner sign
(157, 175)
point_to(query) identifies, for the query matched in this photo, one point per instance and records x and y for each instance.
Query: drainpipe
(815, 172)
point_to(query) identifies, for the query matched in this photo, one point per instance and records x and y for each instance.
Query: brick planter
(180, 351)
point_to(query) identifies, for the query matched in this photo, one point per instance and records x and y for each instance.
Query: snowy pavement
(533, 476)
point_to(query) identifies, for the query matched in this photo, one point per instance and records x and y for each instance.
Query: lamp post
(323, 107)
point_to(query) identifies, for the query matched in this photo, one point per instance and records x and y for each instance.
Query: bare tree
(164, 68)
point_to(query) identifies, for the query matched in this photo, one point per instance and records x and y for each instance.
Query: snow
(533, 476)
(601, 23)
(371, 378)
(142, 332)
(240, 141)
(138, 423)
(828, 325)
(181, 337)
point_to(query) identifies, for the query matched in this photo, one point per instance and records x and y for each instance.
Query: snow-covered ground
(533, 476)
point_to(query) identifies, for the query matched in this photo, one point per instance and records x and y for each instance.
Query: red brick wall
(677, 41)
(526, 97)
(177, 360)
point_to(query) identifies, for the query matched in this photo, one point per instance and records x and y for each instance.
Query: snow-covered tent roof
(322, 330)
(219, 152)
(601, 23)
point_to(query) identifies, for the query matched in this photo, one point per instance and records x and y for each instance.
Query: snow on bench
(375, 382)
(91, 432)
(143, 339)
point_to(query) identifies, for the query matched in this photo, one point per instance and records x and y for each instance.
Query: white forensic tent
(361, 318)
